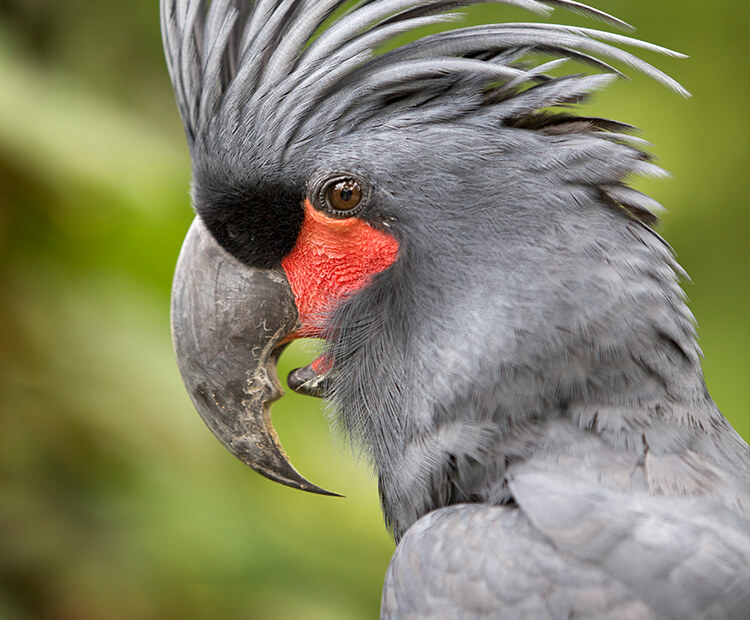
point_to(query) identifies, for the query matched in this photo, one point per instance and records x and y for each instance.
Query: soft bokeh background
(115, 501)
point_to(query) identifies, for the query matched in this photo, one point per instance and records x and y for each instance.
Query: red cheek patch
(331, 259)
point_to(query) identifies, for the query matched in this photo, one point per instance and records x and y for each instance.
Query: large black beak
(229, 322)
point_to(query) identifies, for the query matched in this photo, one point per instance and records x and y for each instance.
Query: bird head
(459, 244)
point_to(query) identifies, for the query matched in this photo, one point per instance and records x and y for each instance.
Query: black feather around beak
(229, 324)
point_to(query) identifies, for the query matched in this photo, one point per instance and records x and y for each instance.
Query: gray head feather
(256, 70)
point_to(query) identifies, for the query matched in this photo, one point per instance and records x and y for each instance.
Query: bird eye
(343, 195)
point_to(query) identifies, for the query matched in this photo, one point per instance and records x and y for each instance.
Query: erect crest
(269, 72)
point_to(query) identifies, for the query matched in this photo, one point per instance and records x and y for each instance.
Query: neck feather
(447, 382)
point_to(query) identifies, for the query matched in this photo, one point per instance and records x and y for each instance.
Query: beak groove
(229, 322)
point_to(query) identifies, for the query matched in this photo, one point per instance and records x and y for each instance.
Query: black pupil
(346, 194)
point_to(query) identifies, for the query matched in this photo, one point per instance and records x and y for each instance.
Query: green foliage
(115, 502)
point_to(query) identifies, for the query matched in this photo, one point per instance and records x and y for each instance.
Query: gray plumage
(525, 378)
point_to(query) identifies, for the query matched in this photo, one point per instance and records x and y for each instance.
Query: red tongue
(322, 364)
(331, 259)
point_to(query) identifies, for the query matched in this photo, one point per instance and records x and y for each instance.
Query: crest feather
(266, 72)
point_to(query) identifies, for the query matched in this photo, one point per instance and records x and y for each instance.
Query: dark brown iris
(344, 195)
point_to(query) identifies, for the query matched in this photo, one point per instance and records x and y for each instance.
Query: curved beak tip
(228, 323)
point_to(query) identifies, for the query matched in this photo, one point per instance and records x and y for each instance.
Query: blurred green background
(115, 501)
